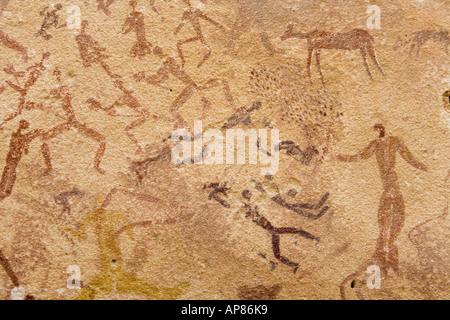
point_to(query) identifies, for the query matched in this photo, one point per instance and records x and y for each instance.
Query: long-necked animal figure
(352, 40)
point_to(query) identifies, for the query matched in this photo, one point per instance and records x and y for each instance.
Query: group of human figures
(391, 212)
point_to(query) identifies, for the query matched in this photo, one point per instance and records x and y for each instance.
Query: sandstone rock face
(211, 149)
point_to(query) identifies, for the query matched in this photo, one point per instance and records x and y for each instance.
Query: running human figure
(51, 19)
(10, 43)
(127, 98)
(17, 147)
(170, 67)
(91, 52)
(34, 73)
(391, 211)
(7, 41)
(135, 22)
(103, 5)
(71, 123)
(193, 16)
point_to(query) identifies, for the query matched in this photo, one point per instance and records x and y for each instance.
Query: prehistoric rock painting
(111, 112)
(51, 19)
(419, 38)
(318, 40)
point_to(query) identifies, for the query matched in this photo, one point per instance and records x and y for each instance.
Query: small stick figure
(193, 16)
(135, 22)
(293, 150)
(300, 208)
(51, 19)
(63, 199)
(218, 188)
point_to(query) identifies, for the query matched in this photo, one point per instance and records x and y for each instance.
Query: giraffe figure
(193, 16)
(318, 40)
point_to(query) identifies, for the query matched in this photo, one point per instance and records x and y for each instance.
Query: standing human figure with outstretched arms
(391, 211)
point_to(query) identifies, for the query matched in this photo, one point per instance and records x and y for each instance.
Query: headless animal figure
(419, 38)
(352, 40)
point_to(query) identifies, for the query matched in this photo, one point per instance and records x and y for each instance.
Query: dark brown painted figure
(252, 212)
(62, 199)
(17, 147)
(135, 22)
(218, 189)
(51, 19)
(391, 211)
(357, 39)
